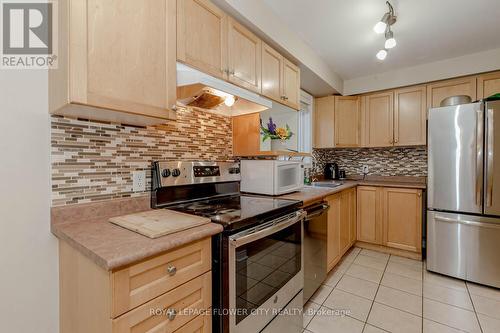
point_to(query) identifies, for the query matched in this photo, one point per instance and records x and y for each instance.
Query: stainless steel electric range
(257, 261)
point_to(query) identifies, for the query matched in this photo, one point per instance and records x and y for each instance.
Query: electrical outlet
(139, 181)
(365, 169)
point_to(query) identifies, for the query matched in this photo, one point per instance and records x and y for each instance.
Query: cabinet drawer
(187, 301)
(137, 284)
(200, 324)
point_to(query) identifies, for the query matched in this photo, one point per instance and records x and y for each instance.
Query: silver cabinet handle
(489, 165)
(231, 72)
(171, 270)
(174, 107)
(171, 313)
(479, 156)
(467, 222)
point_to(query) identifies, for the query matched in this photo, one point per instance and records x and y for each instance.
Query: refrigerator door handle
(467, 222)
(489, 159)
(479, 156)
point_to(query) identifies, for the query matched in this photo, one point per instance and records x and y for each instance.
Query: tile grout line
(375, 296)
(333, 287)
(473, 307)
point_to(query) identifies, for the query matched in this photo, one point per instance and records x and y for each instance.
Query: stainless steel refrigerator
(463, 202)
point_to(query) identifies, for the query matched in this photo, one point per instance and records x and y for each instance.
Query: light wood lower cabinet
(166, 293)
(333, 231)
(341, 233)
(390, 216)
(402, 218)
(369, 226)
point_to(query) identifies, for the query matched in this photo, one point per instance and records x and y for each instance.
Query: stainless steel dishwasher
(315, 233)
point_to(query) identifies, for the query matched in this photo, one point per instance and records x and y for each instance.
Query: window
(305, 126)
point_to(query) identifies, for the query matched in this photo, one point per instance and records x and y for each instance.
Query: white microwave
(271, 177)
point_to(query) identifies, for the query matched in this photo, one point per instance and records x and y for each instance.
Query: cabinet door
(345, 228)
(347, 121)
(272, 73)
(291, 84)
(352, 215)
(123, 62)
(488, 84)
(402, 218)
(324, 122)
(246, 134)
(244, 56)
(369, 228)
(333, 231)
(410, 116)
(438, 91)
(378, 117)
(202, 36)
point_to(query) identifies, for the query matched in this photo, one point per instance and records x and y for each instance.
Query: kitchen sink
(329, 183)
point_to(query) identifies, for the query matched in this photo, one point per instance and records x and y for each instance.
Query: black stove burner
(237, 211)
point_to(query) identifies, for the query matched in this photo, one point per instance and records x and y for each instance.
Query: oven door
(265, 271)
(289, 177)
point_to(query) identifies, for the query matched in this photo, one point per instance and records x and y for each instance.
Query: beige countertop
(86, 228)
(310, 194)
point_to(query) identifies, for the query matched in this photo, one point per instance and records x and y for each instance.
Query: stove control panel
(167, 173)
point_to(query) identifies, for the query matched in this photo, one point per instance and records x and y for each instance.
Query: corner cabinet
(347, 121)
(121, 63)
(324, 123)
(202, 36)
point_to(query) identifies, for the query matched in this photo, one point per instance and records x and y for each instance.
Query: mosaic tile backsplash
(94, 161)
(407, 161)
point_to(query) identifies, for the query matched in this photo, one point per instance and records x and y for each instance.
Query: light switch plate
(139, 181)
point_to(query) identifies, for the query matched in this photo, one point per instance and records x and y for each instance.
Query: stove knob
(234, 170)
(165, 173)
(176, 172)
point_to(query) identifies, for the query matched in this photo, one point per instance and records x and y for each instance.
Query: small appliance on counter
(331, 171)
(342, 175)
(271, 177)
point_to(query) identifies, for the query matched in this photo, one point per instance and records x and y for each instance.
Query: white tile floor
(373, 292)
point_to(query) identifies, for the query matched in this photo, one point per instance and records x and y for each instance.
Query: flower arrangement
(275, 133)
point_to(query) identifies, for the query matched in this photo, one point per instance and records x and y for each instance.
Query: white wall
(439, 70)
(28, 251)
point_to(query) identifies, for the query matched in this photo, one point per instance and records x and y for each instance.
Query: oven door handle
(236, 242)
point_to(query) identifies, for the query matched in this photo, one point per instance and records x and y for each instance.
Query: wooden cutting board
(159, 222)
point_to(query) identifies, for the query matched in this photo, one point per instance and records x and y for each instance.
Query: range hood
(200, 90)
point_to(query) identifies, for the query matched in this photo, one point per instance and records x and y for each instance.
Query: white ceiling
(340, 31)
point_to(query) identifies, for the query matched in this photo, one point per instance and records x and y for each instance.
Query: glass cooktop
(237, 211)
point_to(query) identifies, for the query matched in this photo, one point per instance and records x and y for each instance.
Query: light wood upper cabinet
(121, 62)
(347, 121)
(246, 134)
(377, 112)
(291, 84)
(244, 56)
(438, 91)
(488, 84)
(410, 116)
(333, 230)
(202, 36)
(402, 218)
(369, 223)
(324, 109)
(272, 73)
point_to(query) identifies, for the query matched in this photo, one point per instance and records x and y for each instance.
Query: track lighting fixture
(384, 26)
